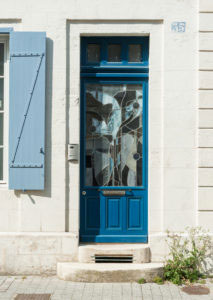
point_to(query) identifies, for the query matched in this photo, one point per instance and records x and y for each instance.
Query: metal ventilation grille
(113, 258)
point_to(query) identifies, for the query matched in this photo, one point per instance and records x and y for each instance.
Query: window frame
(115, 72)
(143, 81)
(4, 39)
(104, 64)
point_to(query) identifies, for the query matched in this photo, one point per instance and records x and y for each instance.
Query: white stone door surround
(154, 29)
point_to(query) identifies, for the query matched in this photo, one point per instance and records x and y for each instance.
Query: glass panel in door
(114, 135)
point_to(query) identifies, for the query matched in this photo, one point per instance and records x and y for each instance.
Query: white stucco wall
(205, 124)
(173, 121)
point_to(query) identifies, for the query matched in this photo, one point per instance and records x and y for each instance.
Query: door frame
(111, 73)
(143, 238)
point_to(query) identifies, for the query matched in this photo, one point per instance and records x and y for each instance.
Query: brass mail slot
(114, 192)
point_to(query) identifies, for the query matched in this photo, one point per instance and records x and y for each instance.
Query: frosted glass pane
(1, 164)
(1, 93)
(1, 128)
(1, 59)
(114, 134)
(135, 53)
(114, 53)
(93, 53)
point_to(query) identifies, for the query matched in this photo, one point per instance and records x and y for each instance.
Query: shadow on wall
(67, 194)
(48, 129)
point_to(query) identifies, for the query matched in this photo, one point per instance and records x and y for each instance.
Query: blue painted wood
(92, 208)
(110, 75)
(27, 110)
(118, 69)
(121, 219)
(124, 42)
(134, 213)
(113, 213)
(6, 30)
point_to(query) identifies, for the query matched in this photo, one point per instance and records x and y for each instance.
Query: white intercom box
(73, 152)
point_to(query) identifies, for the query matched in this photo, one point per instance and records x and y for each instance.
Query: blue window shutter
(27, 110)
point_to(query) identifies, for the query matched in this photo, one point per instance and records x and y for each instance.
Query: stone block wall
(205, 121)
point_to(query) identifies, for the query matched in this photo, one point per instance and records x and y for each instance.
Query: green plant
(142, 281)
(187, 253)
(158, 280)
(202, 281)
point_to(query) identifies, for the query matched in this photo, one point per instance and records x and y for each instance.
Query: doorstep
(107, 272)
(140, 252)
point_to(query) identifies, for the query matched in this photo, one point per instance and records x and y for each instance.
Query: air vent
(113, 258)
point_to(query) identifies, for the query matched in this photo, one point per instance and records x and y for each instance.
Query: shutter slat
(27, 110)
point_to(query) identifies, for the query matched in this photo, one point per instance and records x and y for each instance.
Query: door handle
(84, 193)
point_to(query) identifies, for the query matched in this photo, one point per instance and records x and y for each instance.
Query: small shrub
(187, 255)
(202, 281)
(142, 281)
(158, 280)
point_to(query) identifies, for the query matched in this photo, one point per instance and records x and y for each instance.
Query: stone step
(82, 272)
(140, 252)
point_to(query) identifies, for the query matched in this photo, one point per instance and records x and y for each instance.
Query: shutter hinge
(26, 54)
(25, 166)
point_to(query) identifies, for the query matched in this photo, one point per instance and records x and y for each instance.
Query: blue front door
(113, 189)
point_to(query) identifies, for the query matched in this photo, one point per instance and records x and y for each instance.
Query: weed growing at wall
(187, 254)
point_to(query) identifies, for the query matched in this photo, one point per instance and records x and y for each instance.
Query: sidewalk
(11, 286)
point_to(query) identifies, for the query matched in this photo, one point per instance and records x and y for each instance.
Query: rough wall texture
(172, 116)
(35, 253)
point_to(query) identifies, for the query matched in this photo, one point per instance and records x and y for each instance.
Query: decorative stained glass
(114, 134)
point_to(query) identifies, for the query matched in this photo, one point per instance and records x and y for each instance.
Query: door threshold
(139, 252)
(110, 243)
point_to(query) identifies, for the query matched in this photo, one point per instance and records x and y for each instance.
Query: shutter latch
(42, 151)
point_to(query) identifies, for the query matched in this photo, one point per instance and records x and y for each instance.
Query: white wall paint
(205, 125)
(172, 110)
